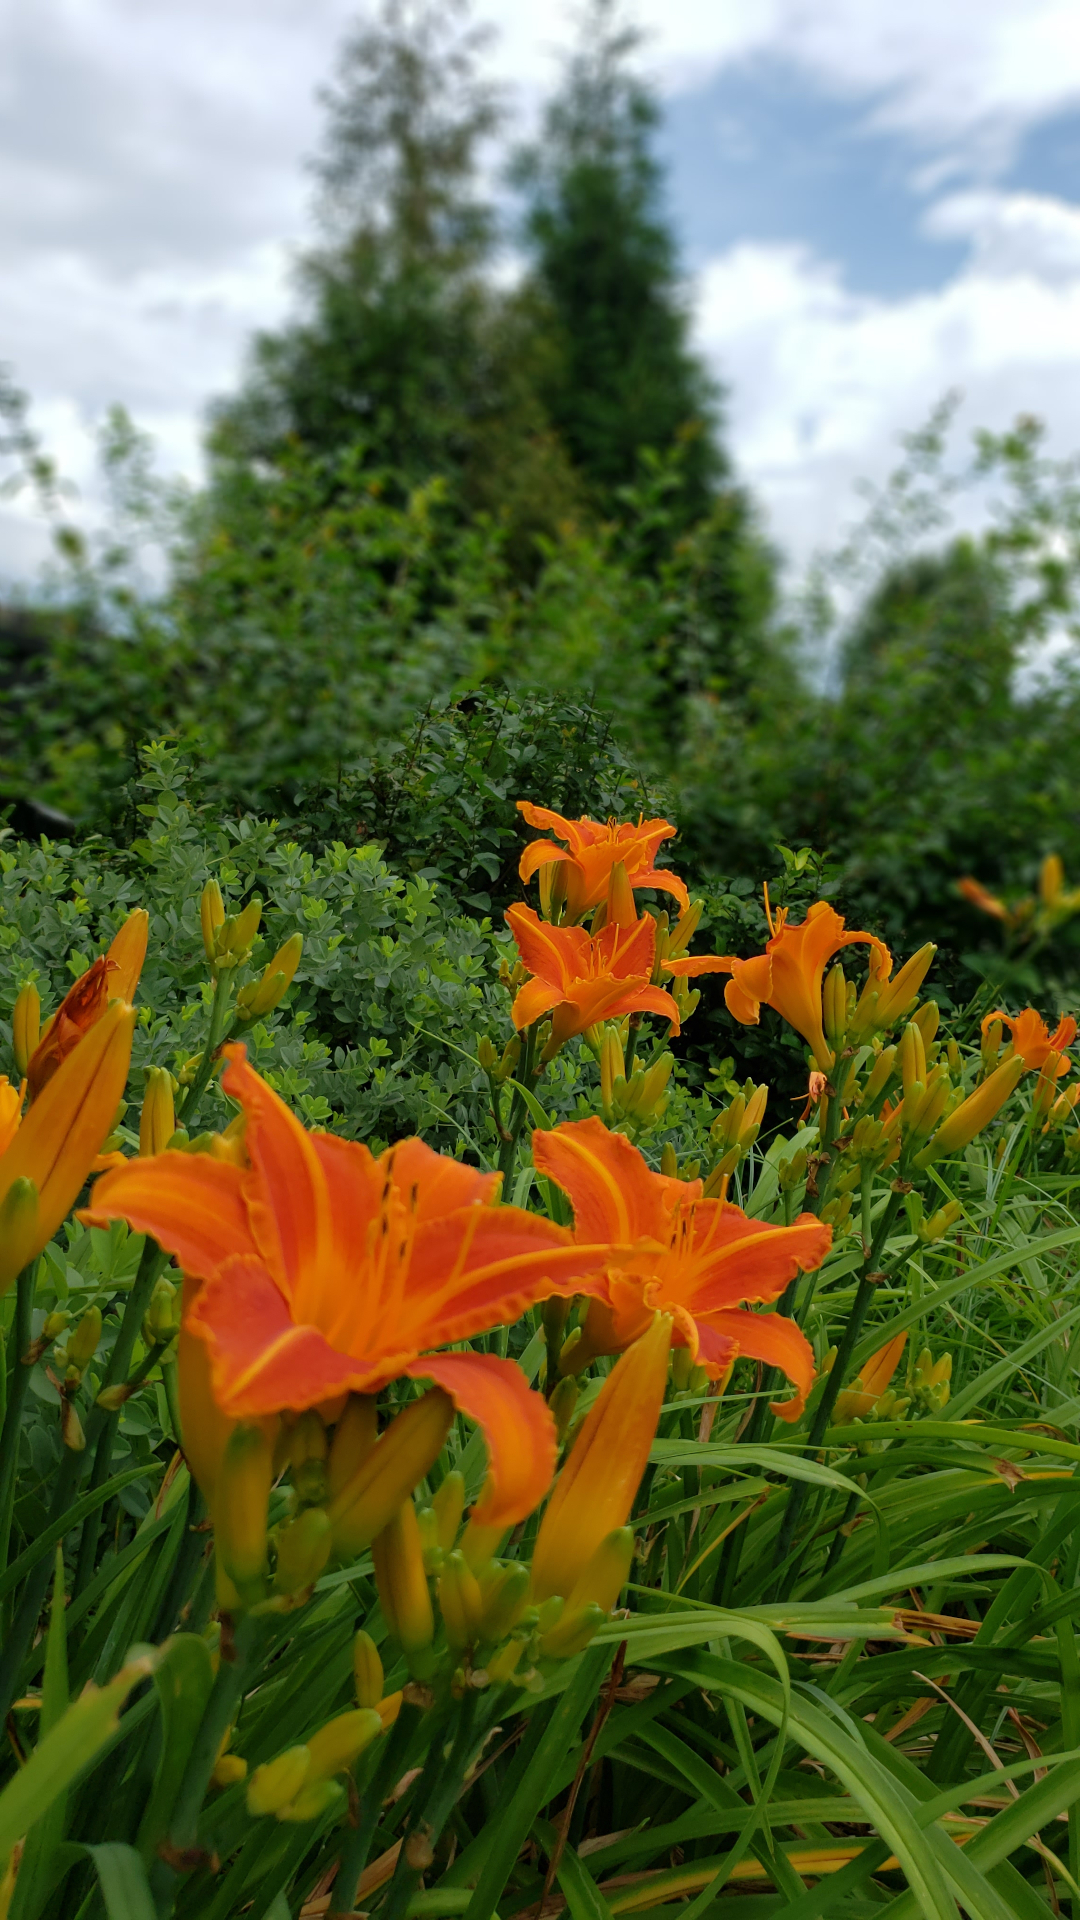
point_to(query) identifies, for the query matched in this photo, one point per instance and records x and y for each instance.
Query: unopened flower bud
(161, 1321)
(459, 1602)
(158, 1121)
(448, 1505)
(83, 1343)
(241, 1500)
(368, 1500)
(308, 1451)
(25, 1026)
(261, 996)
(303, 1549)
(835, 1006)
(563, 1401)
(274, 1784)
(19, 1232)
(505, 1596)
(976, 1112)
(572, 1633)
(486, 1054)
(912, 1058)
(503, 1664)
(368, 1675)
(211, 916)
(403, 1590)
(339, 1744)
(927, 1018)
(229, 1769)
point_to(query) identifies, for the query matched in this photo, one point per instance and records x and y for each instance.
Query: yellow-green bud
(397, 1462)
(354, 1437)
(211, 916)
(83, 1343)
(572, 1633)
(273, 1785)
(308, 1451)
(303, 1549)
(158, 1121)
(448, 1505)
(563, 1402)
(486, 1055)
(459, 1602)
(161, 1322)
(341, 1742)
(603, 1579)
(25, 1027)
(19, 1233)
(368, 1674)
(505, 1596)
(502, 1664)
(261, 996)
(403, 1591)
(241, 1500)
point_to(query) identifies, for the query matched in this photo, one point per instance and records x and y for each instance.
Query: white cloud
(823, 381)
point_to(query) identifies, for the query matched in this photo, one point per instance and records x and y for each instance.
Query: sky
(876, 204)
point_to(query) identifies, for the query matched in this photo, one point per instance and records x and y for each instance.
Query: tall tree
(621, 376)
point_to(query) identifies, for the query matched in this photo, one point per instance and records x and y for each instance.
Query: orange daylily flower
(51, 1150)
(325, 1270)
(1032, 1039)
(593, 848)
(790, 972)
(113, 976)
(707, 1259)
(581, 979)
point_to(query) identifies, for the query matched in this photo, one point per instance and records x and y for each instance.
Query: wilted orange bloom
(592, 848)
(46, 1156)
(324, 1269)
(790, 972)
(979, 896)
(581, 979)
(1032, 1039)
(113, 976)
(860, 1399)
(707, 1260)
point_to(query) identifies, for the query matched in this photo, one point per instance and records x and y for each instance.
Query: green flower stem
(530, 1074)
(188, 1103)
(437, 1791)
(220, 1713)
(837, 1377)
(103, 1425)
(388, 1770)
(17, 1381)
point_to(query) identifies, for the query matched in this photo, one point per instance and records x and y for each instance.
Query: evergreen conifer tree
(621, 376)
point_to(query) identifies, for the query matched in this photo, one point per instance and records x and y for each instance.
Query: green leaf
(122, 1878)
(184, 1679)
(583, 1896)
(66, 1751)
(37, 1867)
(692, 1453)
(49, 1536)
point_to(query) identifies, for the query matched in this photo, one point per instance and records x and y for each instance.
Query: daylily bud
(314, 1801)
(572, 1633)
(241, 1499)
(367, 1671)
(612, 1068)
(927, 1018)
(621, 908)
(505, 1596)
(303, 1549)
(682, 1366)
(459, 1602)
(1051, 879)
(403, 1590)
(71, 1428)
(508, 1060)
(486, 1055)
(339, 1744)
(939, 1223)
(161, 1321)
(229, 1769)
(25, 1026)
(595, 1490)
(399, 1459)
(857, 1401)
(602, 1581)
(991, 1045)
(83, 1343)
(669, 1161)
(562, 1403)
(880, 1074)
(274, 1784)
(896, 997)
(552, 879)
(211, 916)
(976, 1112)
(261, 996)
(448, 1505)
(684, 930)
(158, 1122)
(307, 1458)
(20, 1232)
(354, 1437)
(245, 927)
(478, 1544)
(912, 1058)
(835, 1006)
(1046, 1085)
(502, 1664)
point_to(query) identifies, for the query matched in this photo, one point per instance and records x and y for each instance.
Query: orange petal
(532, 1001)
(614, 1192)
(483, 1266)
(629, 951)
(539, 853)
(555, 954)
(544, 817)
(67, 1126)
(749, 987)
(774, 1338)
(700, 963)
(127, 953)
(595, 1491)
(518, 1429)
(191, 1203)
(286, 1192)
(664, 881)
(736, 1259)
(261, 1361)
(441, 1183)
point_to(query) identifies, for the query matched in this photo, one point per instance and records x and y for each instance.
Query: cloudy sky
(877, 204)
